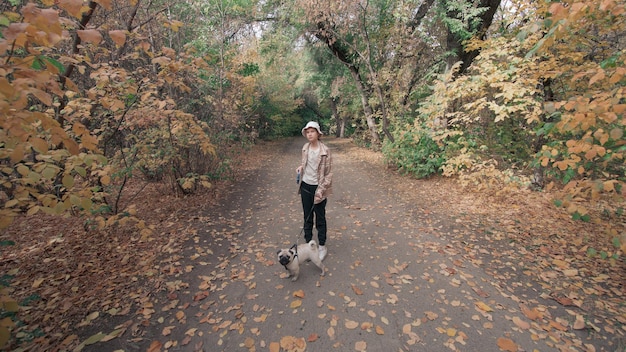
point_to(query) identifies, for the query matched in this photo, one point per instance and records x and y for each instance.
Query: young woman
(315, 184)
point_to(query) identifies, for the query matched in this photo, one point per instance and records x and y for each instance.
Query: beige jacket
(324, 172)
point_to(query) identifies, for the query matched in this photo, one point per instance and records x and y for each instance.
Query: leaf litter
(535, 255)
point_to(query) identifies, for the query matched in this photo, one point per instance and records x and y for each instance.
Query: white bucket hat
(312, 124)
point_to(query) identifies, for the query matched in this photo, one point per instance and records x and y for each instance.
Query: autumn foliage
(546, 99)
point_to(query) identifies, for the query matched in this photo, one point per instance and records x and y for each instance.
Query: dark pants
(307, 193)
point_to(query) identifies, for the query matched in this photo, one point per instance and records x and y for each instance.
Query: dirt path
(398, 278)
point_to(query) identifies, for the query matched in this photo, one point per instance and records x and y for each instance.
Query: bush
(415, 152)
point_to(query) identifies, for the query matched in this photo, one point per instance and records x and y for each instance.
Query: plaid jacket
(324, 172)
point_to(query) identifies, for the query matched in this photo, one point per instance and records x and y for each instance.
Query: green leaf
(591, 252)
(616, 242)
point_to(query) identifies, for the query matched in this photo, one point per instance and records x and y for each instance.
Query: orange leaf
(507, 344)
(295, 304)
(274, 347)
(379, 330)
(357, 290)
(73, 7)
(90, 36)
(532, 314)
(313, 337)
(299, 294)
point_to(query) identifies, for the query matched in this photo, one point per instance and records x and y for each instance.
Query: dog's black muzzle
(283, 259)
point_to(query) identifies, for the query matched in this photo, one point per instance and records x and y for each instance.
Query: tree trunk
(341, 122)
(367, 108)
(455, 44)
(342, 54)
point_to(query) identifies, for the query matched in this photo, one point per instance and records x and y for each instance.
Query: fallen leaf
(484, 307)
(532, 314)
(360, 346)
(580, 322)
(293, 344)
(167, 330)
(299, 294)
(295, 304)
(521, 324)
(37, 283)
(155, 346)
(507, 344)
(357, 290)
(313, 337)
(351, 324)
(274, 347)
(379, 330)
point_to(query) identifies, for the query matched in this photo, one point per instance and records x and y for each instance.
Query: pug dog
(292, 257)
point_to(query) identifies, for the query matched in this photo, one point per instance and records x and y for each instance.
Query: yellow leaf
(295, 304)
(299, 294)
(482, 306)
(94, 338)
(37, 283)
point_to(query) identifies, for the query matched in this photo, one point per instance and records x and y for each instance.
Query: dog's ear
(278, 251)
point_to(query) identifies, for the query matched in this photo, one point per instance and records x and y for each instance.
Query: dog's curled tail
(313, 244)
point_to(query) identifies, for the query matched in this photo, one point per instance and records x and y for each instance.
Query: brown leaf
(357, 290)
(313, 337)
(507, 344)
(521, 324)
(299, 294)
(532, 314)
(580, 322)
(155, 346)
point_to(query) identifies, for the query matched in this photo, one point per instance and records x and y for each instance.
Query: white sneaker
(323, 251)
